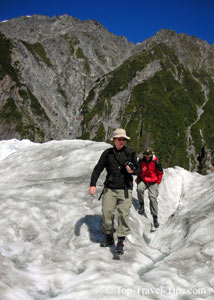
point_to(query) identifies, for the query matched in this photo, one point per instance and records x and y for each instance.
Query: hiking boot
(119, 247)
(155, 221)
(141, 210)
(109, 241)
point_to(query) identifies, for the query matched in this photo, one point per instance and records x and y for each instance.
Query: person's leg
(123, 209)
(140, 194)
(153, 195)
(109, 203)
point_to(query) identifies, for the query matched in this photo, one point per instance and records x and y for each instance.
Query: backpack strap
(158, 164)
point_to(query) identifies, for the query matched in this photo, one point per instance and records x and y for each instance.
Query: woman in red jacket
(149, 178)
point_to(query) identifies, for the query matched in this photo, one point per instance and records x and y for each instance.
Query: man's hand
(92, 190)
(129, 170)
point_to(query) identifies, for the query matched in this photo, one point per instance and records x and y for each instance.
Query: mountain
(162, 96)
(62, 78)
(51, 229)
(47, 67)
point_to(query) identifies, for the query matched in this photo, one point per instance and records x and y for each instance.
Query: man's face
(119, 143)
(148, 157)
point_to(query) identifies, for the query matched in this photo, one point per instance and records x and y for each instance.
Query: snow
(50, 230)
(11, 146)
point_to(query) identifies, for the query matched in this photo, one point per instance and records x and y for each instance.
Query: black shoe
(155, 221)
(141, 211)
(109, 241)
(119, 247)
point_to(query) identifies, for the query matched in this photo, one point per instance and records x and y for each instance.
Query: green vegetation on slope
(206, 123)
(163, 109)
(117, 81)
(38, 51)
(80, 55)
(159, 109)
(6, 67)
(15, 117)
(72, 43)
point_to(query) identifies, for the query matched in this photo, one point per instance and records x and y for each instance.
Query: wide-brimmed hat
(148, 151)
(120, 133)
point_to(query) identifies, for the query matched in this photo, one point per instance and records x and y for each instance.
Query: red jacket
(151, 171)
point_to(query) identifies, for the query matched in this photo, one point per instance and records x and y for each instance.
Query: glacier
(50, 230)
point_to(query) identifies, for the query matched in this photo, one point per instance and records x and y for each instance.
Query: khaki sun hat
(120, 133)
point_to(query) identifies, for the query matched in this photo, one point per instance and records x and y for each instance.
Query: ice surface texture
(50, 230)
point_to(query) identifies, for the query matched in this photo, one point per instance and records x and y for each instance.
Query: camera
(131, 165)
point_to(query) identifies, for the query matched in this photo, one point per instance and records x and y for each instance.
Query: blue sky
(137, 20)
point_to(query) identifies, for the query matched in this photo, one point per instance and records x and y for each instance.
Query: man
(149, 178)
(120, 163)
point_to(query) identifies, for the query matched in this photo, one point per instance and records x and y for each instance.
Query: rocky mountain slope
(62, 78)
(47, 67)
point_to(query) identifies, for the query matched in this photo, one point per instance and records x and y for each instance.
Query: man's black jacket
(114, 161)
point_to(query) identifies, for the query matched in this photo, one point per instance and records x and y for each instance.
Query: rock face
(62, 78)
(56, 60)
